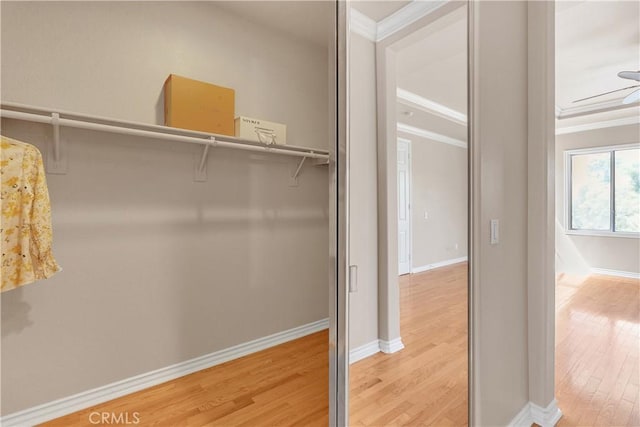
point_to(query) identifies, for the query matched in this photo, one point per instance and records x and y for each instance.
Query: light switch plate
(495, 231)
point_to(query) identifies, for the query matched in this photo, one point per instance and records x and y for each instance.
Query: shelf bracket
(201, 166)
(57, 153)
(322, 162)
(293, 179)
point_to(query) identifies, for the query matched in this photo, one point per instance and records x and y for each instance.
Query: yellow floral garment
(25, 227)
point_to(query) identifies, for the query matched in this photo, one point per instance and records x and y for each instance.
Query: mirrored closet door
(177, 268)
(408, 214)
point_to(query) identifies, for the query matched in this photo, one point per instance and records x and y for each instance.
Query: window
(603, 191)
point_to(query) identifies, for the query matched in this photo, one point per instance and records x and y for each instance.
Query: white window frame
(567, 191)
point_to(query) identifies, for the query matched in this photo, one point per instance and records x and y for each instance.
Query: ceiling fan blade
(606, 93)
(631, 75)
(632, 97)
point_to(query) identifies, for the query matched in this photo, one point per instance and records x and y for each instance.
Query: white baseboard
(364, 351)
(617, 273)
(546, 417)
(532, 413)
(438, 264)
(58, 408)
(391, 346)
(374, 347)
(523, 419)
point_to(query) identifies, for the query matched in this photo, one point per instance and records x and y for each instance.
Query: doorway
(409, 333)
(404, 206)
(597, 218)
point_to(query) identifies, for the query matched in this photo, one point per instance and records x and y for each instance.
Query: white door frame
(407, 270)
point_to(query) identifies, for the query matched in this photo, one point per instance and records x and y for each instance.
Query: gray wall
(363, 218)
(499, 272)
(159, 269)
(611, 253)
(439, 187)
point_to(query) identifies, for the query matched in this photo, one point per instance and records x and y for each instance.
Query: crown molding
(414, 100)
(598, 125)
(594, 108)
(376, 31)
(423, 133)
(406, 16)
(363, 25)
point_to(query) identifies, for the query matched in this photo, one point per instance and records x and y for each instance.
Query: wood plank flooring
(426, 382)
(283, 385)
(598, 351)
(597, 361)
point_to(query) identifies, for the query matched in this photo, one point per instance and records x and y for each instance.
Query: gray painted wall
(439, 187)
(499, 272)
(363, 192)
(159, 269)
(611, 253)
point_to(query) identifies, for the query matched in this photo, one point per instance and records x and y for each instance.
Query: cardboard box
(196, 105)
(261, 130)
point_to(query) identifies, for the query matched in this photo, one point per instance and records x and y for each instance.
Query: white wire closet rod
(83, 121)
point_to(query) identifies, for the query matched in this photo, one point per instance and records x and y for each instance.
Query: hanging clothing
(25, 227)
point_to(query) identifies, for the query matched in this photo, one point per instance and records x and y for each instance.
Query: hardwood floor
(426, 382)
(597, 362)
(598, 351)
(285, 385)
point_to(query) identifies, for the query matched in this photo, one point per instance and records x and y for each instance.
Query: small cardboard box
(196, 105)
(261, 130)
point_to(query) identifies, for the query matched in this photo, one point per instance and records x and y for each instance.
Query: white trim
(523, 418)
(376, 31)
(438, 264)
(603, 233)
(409, 202)
(406, 16)
(58, 408)
(363, 25)
(423, 133)
(391, 346)
(603, 148)
(593, 108)
(532, 413)
(617, 273)
(598, 125)
(364, 351)
(414, 100)
(558, 111)
(545, 417)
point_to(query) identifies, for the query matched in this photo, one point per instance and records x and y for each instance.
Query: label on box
(262, 131)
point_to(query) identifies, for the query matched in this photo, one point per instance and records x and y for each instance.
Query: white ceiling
(435, 67)
(594, 41)
(380, 9)
(430, 122)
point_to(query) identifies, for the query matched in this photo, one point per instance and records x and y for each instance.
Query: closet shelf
(58, 118)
